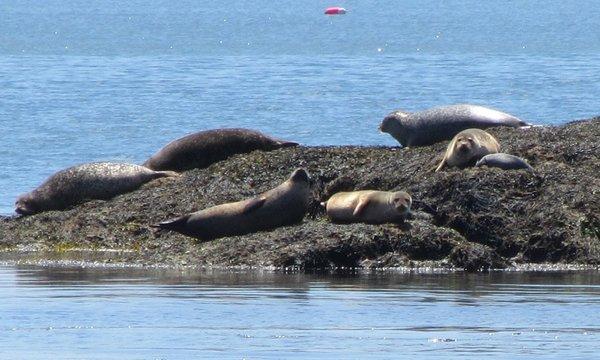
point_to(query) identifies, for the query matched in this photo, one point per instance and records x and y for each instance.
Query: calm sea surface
(89, 80)
(49, 313)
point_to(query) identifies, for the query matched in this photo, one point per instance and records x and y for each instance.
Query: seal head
(393, 124)
(401, 201)
(28, 204)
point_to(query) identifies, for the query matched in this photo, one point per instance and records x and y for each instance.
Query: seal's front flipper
(362, 204)
(254, 204)
(441, 165)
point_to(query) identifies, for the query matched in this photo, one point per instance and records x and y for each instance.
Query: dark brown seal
(284, 205)
(428, 127)
(77, 184)
(203, 148)
(504, 162)
(368, 206)
(467, 147)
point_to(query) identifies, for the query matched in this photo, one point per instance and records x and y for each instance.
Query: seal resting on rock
(430, 126)
(467, 147)
(504, 162)
(284, 205)
(203, 148)
(77, 184)
(368, 206)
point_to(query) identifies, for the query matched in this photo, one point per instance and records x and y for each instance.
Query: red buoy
(335, 10)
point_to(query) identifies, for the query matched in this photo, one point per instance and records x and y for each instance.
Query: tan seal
(203, 148)
(368, 206)
(77, 184)
(467, 147)
(283, 205)
(441, 123)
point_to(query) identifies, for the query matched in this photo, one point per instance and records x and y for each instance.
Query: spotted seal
(437, 124)
(77, 184)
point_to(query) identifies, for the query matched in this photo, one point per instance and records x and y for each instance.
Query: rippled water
(112, 313)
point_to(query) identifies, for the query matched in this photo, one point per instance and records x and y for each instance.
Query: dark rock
(476, 218)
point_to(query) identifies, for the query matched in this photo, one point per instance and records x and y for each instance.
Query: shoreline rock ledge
(473, 219)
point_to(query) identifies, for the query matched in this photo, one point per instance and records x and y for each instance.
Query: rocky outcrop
(477, 218)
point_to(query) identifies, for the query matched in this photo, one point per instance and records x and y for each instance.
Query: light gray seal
(467, 147)
(368, 206)
(77, 184)
(430, 126)
(203, 148)
(283, 205)
(504, 162)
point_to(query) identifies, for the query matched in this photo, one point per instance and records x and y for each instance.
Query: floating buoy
(335, 10)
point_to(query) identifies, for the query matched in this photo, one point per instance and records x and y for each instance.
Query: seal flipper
(285, 143)
(167, 173)
(441, 165)
(254, 204)
(362, 204)
(177, 224)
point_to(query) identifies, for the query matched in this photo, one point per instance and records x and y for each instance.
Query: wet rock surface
(476, 218)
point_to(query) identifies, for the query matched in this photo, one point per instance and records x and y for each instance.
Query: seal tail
(285, 143)
(525, 124)
(168, 173)
(177, 224)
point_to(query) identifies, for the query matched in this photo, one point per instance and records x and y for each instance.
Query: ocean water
(98, 80)
(113, 80)
(64, 313)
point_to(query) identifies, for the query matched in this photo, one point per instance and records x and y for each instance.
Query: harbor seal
(283, 205)
(430, 126)
(504, 162)
(467, 147)
(368, 206)
(80, 183)
(203, 148)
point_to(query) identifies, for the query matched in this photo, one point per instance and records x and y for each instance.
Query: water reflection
(111, 313)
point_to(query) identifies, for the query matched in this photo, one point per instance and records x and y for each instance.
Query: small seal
(467, 147)
(430, 126)
(77, 184)
(504, 162)
(203, 148)
(283, 205)
(368, 206)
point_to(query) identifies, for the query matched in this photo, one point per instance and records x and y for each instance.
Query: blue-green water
(136, 314)
(115, 80)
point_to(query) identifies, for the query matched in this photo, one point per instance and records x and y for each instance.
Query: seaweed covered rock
(475, 218)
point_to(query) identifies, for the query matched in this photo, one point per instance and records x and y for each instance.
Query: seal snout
(464, 145)
(402, 202)
(386, 123)
(22, 208)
